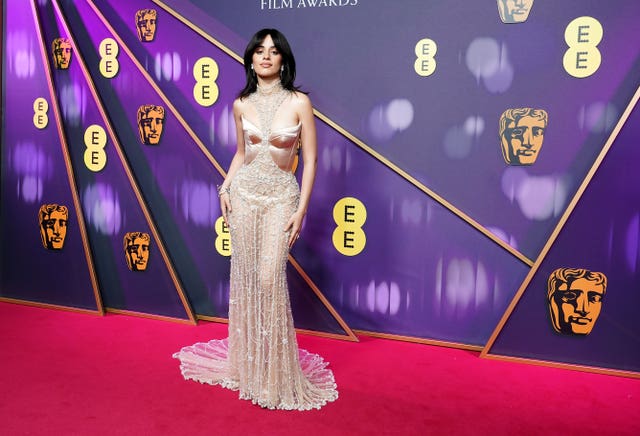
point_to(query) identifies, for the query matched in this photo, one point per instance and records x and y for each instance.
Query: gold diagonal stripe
(128, 172)
(349, 333)
(67, 160)
(562, 222)
(379, 157)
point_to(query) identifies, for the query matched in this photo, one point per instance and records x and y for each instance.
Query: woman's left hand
(295, 225)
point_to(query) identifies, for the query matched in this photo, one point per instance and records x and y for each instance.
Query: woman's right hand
(225, 207)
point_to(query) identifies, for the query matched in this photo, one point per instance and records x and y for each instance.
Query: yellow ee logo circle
(583, 58)
(95, 139)
(223, 239)
(350, 215)
(40, 109)
(425, 63)
(205, 91)
(109, 65)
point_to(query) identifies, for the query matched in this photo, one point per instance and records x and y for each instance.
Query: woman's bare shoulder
(301, 101)
(239, 105)
(301, 98)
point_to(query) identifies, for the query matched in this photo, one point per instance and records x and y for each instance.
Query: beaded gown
(260, 358)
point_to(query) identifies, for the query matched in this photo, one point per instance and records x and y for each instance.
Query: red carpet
(67, 373)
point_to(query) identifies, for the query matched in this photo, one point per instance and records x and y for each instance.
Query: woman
(264, 208)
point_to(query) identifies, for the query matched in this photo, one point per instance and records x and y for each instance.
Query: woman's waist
(256, 178)
(284, 159)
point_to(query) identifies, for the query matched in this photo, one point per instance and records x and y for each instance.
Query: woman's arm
(236, 162)
(309, 158)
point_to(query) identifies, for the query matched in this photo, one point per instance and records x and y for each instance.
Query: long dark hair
(287, 75)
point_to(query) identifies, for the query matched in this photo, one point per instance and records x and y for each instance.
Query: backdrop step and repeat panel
(452, 138)
(592, 321)
(39, 202)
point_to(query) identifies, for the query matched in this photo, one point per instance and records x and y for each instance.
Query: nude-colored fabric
(261, 358)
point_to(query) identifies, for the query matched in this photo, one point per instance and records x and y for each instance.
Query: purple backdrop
(602, 234)
(425, 271)
(108, 200)
(33, 174)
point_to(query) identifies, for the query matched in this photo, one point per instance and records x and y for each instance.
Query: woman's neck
(264, 87)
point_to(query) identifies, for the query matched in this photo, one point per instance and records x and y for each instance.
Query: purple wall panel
(520, 205)
(176, 180)
(385, 303)
(175, 176)
(33, 174)
(108, 199)
(357, 61)
(424, 271)
(602, 234)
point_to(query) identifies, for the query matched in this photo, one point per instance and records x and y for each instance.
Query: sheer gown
(261, 358)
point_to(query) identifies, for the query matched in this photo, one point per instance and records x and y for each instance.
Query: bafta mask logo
(521, 134)
(53, 225)
(136, 250)
(575, 299)
(61, 53)
(146, 24)
(150, 123)
(514, 11)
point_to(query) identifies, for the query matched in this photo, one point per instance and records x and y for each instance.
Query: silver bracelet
(223, 190)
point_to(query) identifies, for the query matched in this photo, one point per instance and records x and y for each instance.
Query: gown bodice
(280, 143)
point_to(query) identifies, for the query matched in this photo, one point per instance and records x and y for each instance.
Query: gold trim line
(569, 366)
(417, 340)
(149, 316)
(50, 306)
